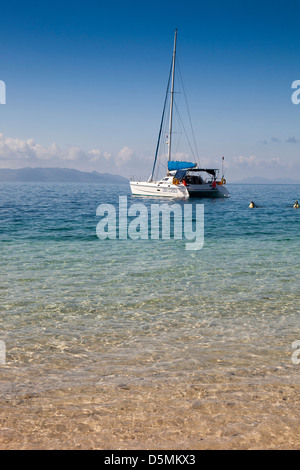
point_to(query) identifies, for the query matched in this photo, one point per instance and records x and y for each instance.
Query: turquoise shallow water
(78, 309)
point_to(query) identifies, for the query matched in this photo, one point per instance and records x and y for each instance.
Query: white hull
(145, 188)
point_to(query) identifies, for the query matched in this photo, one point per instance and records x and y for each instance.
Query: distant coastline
(68, 175)
(58, 175)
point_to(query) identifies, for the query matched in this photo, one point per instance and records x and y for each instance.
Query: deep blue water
(68, 211)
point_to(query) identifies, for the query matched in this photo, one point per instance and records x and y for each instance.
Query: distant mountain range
(261, 180)
(58, 175)
(67, 175)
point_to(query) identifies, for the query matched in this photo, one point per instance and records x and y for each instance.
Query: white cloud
(250, 161)
(243, 166)
(253, 162)
(17, 153)
(124, 156)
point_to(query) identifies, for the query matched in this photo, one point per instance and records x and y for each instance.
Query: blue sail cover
(172, 165)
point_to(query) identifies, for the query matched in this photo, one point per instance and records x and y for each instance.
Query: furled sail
(173, 165)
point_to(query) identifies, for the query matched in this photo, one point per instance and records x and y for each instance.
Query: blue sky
(85, 83)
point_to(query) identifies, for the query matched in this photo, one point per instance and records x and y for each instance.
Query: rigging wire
(188, 110)
(187, 137)
(161, 125)
(160, 154)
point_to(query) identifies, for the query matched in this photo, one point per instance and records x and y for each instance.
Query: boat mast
(161, 125)
(172, 98)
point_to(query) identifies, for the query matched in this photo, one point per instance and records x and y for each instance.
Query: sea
(141, 343)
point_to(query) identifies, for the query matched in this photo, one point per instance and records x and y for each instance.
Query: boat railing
(138, 178)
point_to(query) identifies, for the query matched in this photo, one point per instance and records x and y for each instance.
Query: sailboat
(183, 179)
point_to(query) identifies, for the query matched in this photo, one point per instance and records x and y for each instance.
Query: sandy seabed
(238, 414)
